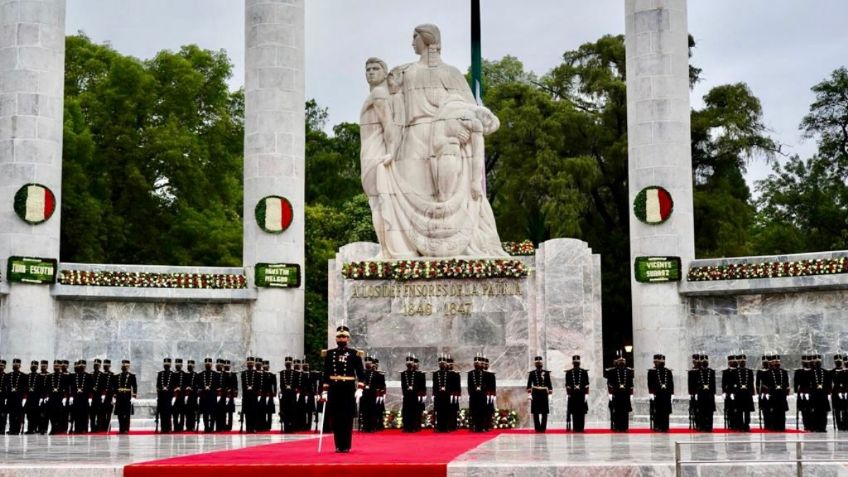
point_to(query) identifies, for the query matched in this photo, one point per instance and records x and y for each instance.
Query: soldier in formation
(660, 393)
(539, 387)
(620, 389)
(577, 391)
(342, 369)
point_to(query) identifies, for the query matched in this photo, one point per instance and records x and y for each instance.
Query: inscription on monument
(427, 299)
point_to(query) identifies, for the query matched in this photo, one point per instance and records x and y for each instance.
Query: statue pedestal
(554, 312)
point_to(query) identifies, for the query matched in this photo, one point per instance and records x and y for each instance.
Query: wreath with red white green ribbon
(653, 205)
(274, 214)
(34, 203)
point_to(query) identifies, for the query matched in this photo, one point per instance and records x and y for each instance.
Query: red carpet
(644, 430)
(384, 454)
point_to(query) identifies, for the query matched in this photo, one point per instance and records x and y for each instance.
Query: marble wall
(147, 332)
(554, 312)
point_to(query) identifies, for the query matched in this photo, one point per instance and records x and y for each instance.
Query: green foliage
(804, 203)
(152, 168)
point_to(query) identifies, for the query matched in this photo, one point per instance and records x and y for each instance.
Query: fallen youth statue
(422, 158)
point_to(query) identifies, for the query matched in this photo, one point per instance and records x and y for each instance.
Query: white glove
(696, 397)
(651, 397)
(529, 396)
(806, 395)
(70, 401)
(767, 397)
(324, 396)
(173, 401)
(672, 398)
(455, 399)
(297, 396)
(732, 397)
(724, 396)
(89, 402)
(610, 397)
(844, 395)
(585, 398)
(23, 403)
(358, 394)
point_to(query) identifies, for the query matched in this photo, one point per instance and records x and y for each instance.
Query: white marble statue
(422, 158)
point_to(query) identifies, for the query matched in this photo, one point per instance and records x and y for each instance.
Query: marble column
(274, 135)
(659, 153)
(32, 65)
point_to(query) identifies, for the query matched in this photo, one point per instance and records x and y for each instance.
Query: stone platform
(527, 454)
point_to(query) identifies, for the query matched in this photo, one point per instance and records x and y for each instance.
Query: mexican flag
(274, 214)
(35, 203)
(653, 205)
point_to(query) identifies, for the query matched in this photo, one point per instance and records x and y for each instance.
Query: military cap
(44, 361)
(288, 359)
(415, 360)
(167, 360)
(16, 360)
(369, 359)
(575, 357)
(81, 362)
(227, 362)
(125, 361)
(207, 360)
(342, 331)
(98, 361)
(251, 359)
(376, 361)
(657, 357)
(265, 361)
(410, 359)
(537, 359)
(178, 361)
(219, 361)
(450, 360)
(107, 361)
(33, 363)
(297, 361)
(3, 362)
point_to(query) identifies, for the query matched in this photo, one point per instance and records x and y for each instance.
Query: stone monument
(439, 281)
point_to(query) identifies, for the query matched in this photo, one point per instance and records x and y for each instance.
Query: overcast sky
(779, 47)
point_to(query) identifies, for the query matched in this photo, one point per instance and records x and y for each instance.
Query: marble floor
(651, 455)
(106, 456)
(595, 455)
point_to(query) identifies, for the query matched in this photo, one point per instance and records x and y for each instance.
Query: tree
(152, 157)
(804, 203)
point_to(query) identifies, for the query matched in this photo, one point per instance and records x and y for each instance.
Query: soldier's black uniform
(762, 405)
(478, 393)
(106, 388)
(81, 385)
(221, 404)
(270, 391)
(820, 389)
(727, 376)
(702, 390)
(801, 382)
(776, 389)
(208, 386)
(165, 396)
(839, 388)
(661, 389)
(301, 382)
(455, 388)
(232, 394)
(577, 389)
(368, 406)
(342, 367)
(57, 391)
(743, 394)
(15, 391)
(289, 380)
(191, 397)
(126, 389)
(539, 387)
(181, 381)
(43, 375)
(411, 391)
(96, 396)
(491, 394)
(32, 399)
(261, 397)
(251, 388)
(620, 388)
(442, 396)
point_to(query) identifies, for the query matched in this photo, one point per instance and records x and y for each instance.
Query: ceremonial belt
(124, 390)
(541, 387)
(342, 378)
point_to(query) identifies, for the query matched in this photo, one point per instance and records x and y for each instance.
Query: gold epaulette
(360, 353)
(323, 353)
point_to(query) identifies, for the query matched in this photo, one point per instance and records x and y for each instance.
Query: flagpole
(476, 53)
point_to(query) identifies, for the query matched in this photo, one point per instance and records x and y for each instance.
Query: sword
(321, 426)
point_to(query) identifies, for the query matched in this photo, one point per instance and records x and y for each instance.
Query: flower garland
(504, 419)
(392, 420)
(404, 270)
(744, 271)
(519, 248)
(208, 281)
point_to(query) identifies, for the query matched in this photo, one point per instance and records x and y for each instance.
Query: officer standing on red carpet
(539, 386)
(577, 388)
(342, 368)
(126, 389)
(661, 392)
